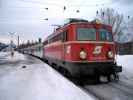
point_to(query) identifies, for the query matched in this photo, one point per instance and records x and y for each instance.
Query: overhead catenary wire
(48, 5)
(60, 5)
(74, 8)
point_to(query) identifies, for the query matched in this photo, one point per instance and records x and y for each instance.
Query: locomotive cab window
(85, 34)
(105, 35)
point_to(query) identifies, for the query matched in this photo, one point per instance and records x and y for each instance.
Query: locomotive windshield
(84, 34)
(105, 35)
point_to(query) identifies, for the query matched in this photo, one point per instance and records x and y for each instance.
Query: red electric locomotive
(81, 48)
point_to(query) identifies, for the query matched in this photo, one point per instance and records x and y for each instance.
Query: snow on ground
(120, 90)
(37, 81)
(6, 58)
(126, 61)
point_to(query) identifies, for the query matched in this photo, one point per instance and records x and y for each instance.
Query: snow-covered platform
(35, 81)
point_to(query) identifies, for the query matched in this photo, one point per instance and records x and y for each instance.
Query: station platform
(23, 77)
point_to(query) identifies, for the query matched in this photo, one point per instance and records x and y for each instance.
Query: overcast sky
(26, 17)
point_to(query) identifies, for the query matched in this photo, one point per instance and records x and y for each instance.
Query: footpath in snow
(37, 81)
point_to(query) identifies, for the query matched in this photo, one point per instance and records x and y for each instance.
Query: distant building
(2, 46)
(9, 47)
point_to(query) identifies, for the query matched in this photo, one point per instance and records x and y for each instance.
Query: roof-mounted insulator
(74, 20)
(97, 21)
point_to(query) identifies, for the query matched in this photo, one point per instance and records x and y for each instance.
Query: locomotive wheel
(113, 77)
(75, 81)
(116, 77)
(109, 78)
(64, 72)
(46, 61)
(90, 80)
(54, 65)
(97, 79)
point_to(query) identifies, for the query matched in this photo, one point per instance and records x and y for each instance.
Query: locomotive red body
(82, 48)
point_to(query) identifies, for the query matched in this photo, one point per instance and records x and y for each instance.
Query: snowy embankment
(37, 81)
(126, 61)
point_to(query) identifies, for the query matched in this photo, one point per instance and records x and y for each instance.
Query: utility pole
(11, 34)
(18, 40)
(11, 44)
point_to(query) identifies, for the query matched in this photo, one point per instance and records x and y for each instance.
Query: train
(79, 49)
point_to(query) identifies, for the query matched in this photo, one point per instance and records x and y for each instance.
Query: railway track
(122, 87)
(111, 91)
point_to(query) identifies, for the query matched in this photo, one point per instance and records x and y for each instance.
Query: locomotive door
(64, 39)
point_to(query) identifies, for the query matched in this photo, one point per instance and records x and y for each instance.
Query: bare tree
(111, 17)
(130, 28)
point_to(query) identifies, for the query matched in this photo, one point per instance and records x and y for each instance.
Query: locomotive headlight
(110, 54)
(83, 55)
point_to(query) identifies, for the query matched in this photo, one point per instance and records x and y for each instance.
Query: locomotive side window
(105, 35)
(55, 38)
(64, 36)
(85, 34)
